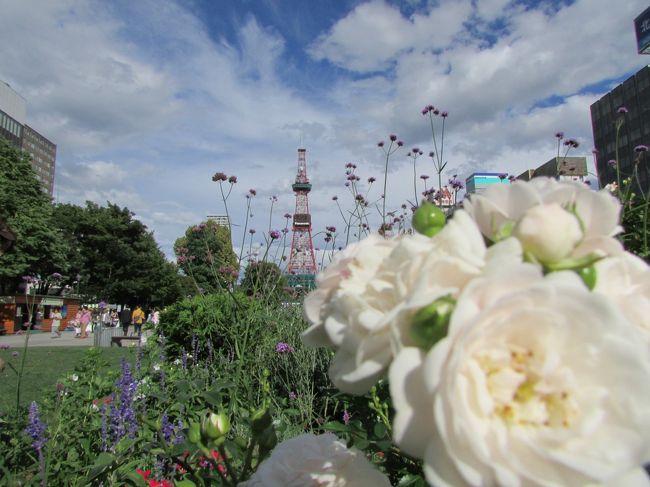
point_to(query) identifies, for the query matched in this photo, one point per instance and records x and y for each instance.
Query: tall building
(480, 181)
(629, 105)
(14, 128)
(571, 168)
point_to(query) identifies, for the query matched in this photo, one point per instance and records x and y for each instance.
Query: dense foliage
(26, 209)
(115, 256)
(205, 254)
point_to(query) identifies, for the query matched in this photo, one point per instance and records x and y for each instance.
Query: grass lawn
(44, 366)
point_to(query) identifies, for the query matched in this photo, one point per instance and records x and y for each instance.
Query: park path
(43, 339)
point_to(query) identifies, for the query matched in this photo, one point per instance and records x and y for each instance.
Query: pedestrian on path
(125, 318)
(86, 316)
(138, 319)
(56, 323)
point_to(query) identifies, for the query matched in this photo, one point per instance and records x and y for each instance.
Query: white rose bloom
(309, 460)
(625, 280)
(509, 206)
(368, 320)
(538, 383)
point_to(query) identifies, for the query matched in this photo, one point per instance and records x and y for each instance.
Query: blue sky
(147, 100)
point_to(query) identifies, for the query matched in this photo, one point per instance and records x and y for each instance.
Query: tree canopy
(38, 248)
(205, 254)
(114, 257)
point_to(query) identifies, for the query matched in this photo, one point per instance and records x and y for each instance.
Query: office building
(562, 168)
(627, 106)
(14, 128)
(480, 181)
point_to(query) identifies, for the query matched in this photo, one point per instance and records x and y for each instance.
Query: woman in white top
(56, 323)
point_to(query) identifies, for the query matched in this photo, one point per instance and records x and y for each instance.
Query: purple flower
(431, 154)
(282, 347)
(503, 176)
(36, 428)
(4, 346)
(287, 215)
(393, 137)
(15, 354)
(400, 143)
(380, 143)
(331, 229)
(219, 176)
(252, 192)
(251, 231)
(641, 148)
(346, 416)
(293, 396)
(456, 184)
(232, 179)
(444, 114)
(56, 275)
(415, 151)
(285, 230)
(559, 135)
(166, 428)
(622, 110)
(436, 111)
(334, 198)
(424, 177)
(275, 234)
(371, 180)
(349, 165)
(612, 163)
(425, 110)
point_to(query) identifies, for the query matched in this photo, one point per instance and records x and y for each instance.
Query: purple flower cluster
(123, 419)
(456, 183)
(641, 148)
(287, 215)
(331, 229)
(172, 432)
(346, 416)
(282, 347)
(195, 346)
(275, 234)
(430, 109)
(219, 176)
(56, 275)
(36, 428)
(572, 143)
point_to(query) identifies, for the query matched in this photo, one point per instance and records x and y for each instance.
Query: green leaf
(336, 426)
(380, 430)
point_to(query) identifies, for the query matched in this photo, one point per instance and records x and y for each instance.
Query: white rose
(539, 382)
(309, 460)
(74, 377)
(368, 322)
(502, 208)
(625, 280)
(348, 272)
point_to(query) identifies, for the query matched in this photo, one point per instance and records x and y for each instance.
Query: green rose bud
(428, 219)
(430, 324)
(194, 433)
(268, 440)
(261, 421)
(215, 426)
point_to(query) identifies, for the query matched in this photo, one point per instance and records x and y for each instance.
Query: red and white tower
(301, 260)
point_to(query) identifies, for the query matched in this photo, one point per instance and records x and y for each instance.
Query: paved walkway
(42, 339)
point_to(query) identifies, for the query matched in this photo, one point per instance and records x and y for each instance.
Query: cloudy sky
(146, 100)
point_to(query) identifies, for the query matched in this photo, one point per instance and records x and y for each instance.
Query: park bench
(120, 339)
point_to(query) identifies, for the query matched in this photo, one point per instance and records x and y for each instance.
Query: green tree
(39, 249)
(114, 257)
(265, 281)
(205, 254)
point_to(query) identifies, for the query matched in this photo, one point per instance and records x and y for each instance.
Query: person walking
(56, 323)
(86, 316)
(138, 319)
(105, 318)
(77, 323)
(125, 319)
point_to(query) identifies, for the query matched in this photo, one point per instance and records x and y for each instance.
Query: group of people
(105, 317)
(137, 317)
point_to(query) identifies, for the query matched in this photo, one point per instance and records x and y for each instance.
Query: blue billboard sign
(642, 27)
